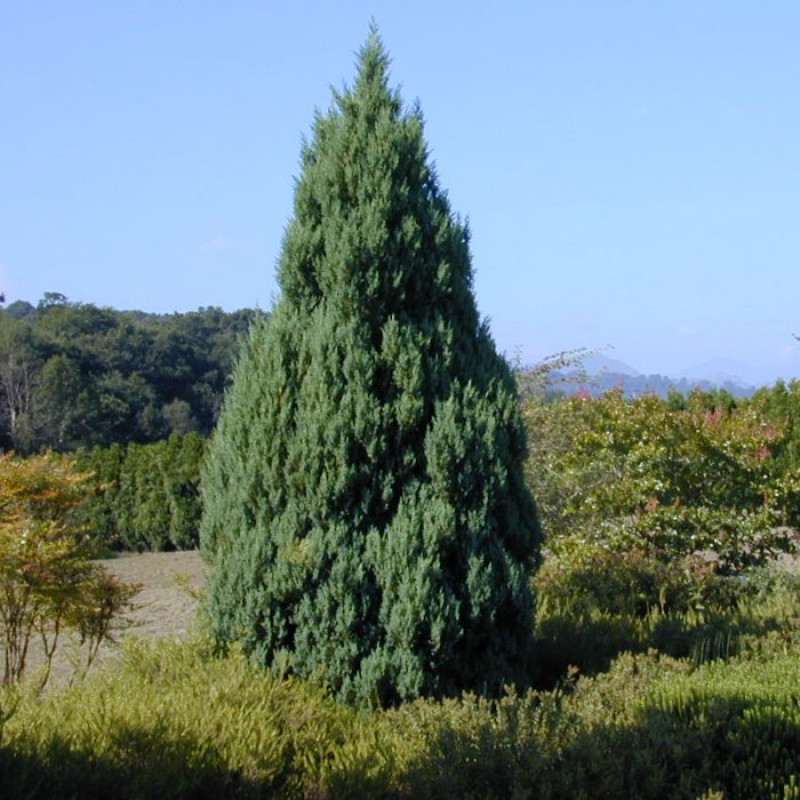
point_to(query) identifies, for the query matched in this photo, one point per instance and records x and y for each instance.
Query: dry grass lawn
(165, 604)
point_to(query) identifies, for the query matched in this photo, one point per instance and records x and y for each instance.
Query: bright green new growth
(365, 507)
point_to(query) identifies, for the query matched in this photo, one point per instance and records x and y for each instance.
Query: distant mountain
(598, 363)
(599, 374)
(721, 370)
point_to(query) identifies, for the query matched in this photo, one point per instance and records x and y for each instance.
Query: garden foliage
(366, 513)
(144, 497)
(48, 581)
(665, 496)
(171, 720)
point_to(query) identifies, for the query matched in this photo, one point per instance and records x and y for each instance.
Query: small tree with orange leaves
(49, 583)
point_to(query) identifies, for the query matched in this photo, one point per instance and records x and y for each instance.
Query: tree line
(144, 493)
(76, 375)
(674, 474)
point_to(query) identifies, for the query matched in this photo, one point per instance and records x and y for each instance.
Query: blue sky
(630, 170)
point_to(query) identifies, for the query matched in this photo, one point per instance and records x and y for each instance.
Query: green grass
(176, 720)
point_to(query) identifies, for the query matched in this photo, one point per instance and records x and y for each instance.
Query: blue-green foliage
(365, 508)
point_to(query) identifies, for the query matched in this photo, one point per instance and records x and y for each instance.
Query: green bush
(145, 497)
(588, 576)
(173, 721)
(594, 603)
(647, 476)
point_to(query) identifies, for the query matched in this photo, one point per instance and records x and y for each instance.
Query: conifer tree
(365, 508)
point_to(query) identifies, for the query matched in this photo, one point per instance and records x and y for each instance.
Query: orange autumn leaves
(49, 584)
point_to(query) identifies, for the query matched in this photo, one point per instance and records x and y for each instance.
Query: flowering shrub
(642, 475)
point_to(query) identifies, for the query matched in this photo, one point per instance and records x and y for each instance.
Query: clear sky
(630, 169)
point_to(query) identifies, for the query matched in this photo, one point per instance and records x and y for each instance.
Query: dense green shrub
(779, 406)
(145, 497)
(587, 576)
(582, 625)
(646, 475)
(175, 721)
(365, 507)
(172, 721)
(656, 512)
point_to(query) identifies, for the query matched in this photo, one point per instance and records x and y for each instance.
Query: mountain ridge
(598, 374)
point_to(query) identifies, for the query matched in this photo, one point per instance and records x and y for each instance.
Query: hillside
(76, 375)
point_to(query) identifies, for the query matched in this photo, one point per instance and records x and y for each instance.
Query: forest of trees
(76, 375)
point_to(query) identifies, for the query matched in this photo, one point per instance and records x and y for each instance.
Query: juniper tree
(365, 508)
